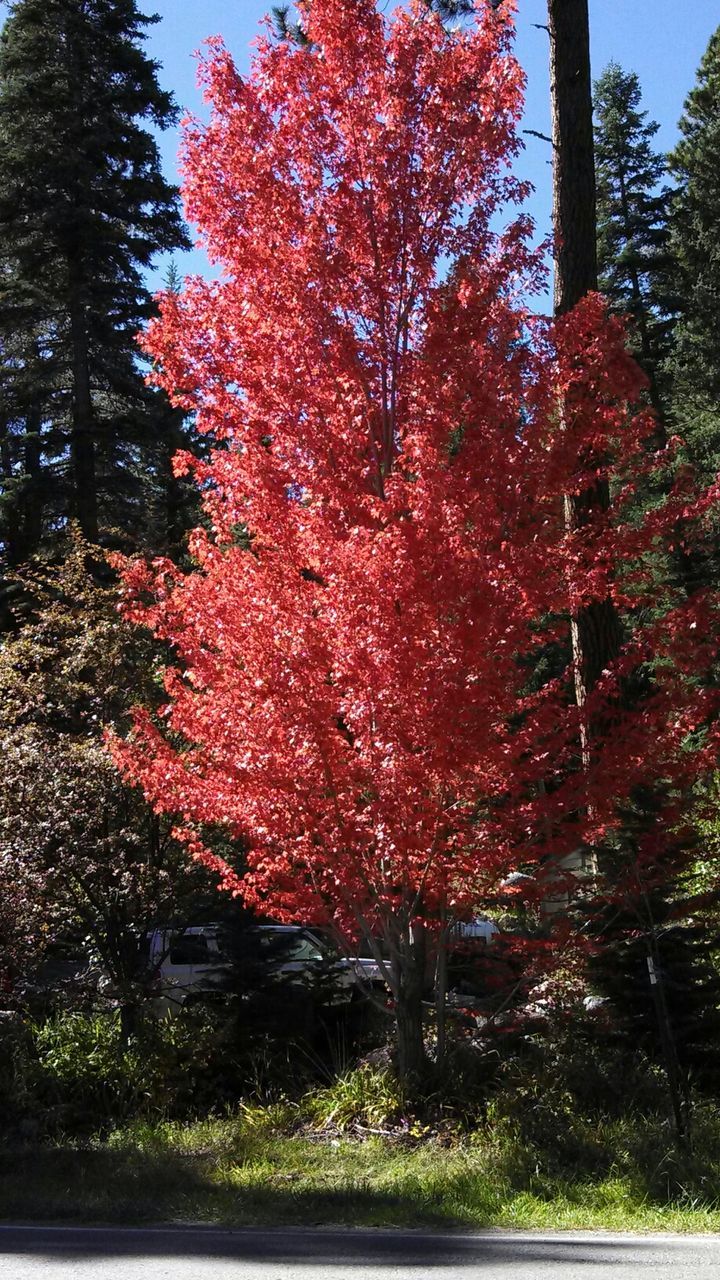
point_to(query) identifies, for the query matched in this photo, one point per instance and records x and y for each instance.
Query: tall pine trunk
(8, 525)
(22, 520)
(32, 497)
(574, 215)
(595, 631)
(83, 502)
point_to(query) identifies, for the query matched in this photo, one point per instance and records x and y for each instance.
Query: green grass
(251, 1168)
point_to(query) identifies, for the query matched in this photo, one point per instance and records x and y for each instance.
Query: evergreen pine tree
(84, 209)
(655, 939)
(632, 214)
(695, 362)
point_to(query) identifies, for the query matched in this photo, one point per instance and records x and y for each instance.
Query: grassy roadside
(249, 1170)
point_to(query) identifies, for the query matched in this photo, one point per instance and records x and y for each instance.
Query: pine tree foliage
(654, 938)
(695, 364)
(84, 210)
(632, 210)
(286, 28)
(453, 9)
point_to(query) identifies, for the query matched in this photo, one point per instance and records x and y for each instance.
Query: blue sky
(661, 40)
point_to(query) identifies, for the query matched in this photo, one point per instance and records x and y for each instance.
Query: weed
(368, 1096)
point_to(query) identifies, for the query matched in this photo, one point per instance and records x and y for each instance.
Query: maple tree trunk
(441, 989)
(411, 1058)
(408, 970)
(129, 1022)
(595, 631)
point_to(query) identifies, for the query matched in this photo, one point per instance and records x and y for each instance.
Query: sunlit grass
(259, 1165)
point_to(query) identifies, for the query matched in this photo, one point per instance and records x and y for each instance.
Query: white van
(189, 965)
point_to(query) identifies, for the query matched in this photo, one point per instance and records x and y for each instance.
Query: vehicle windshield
(291, 945)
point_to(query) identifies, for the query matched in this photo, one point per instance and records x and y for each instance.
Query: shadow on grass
(125, 1186)
(249, 1181)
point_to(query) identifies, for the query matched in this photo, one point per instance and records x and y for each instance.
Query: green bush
(80, 1074)
(77, 1073)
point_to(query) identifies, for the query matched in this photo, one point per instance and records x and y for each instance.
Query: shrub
(82, 1075)
(77, 1073)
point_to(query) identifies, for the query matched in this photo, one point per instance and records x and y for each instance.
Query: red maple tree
(385, 556)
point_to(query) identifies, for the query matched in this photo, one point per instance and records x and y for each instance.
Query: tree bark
(83, 502)
(33, 493)
(574, 212)
(21, 465)
(408, 979)
(441, 992)
(411, 1057)
(596, 632)
(32, 497)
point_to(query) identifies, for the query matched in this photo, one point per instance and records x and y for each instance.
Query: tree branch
(542, 136)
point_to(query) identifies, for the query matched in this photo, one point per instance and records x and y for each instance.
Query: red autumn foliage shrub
(386, 536)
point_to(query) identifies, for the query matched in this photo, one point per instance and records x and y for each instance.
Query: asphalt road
(199, 1253)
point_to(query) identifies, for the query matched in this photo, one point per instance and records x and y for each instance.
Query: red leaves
(349, 694)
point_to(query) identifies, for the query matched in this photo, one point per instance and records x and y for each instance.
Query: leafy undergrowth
(345, 1155)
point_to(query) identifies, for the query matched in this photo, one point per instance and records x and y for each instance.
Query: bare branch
(542, 136)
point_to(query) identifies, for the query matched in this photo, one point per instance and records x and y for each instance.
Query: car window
(191, 949)
(304, 948)
(289, 944)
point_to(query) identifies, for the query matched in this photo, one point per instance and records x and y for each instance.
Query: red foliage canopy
(395, 430)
